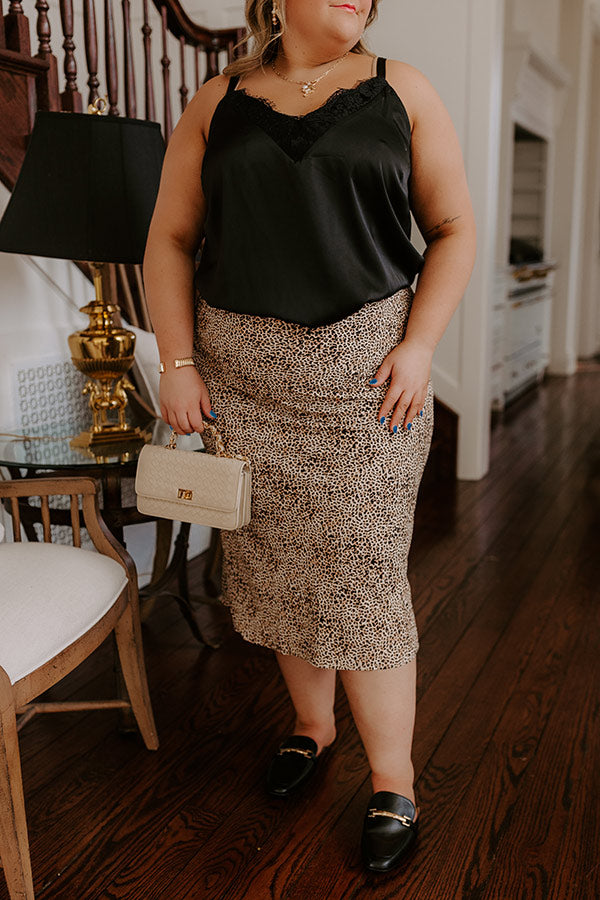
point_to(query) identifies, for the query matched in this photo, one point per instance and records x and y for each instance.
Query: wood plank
(469, 782)
(558, 808)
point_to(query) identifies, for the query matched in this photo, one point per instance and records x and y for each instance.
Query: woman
(309, 343)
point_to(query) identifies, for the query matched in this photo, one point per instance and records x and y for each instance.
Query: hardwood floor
(505, 575)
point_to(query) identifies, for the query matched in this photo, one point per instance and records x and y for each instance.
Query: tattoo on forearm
(440, 225)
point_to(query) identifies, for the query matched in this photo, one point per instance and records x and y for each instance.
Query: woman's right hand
(184, 400)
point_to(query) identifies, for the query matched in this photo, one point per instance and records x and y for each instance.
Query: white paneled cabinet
(521, 319)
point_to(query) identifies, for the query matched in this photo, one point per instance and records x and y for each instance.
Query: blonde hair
(266, 36)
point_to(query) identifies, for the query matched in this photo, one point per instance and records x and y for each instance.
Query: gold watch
(178, 363)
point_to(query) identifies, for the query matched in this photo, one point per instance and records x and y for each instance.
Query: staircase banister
(20, 64)
(180, 25)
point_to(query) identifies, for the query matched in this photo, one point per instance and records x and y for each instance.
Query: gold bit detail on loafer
(384, 812)
(296, 750)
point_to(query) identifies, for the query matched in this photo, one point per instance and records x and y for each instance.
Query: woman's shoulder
(204, 102)
(412, 86)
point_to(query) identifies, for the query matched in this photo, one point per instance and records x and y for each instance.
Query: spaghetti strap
(381, 61)
(233, 80)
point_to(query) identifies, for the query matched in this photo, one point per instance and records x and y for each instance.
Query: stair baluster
(183, 90)
(110, 58)
(130, 95)
(70, 98)
(91, 49)
(165, 63)
(148, 81)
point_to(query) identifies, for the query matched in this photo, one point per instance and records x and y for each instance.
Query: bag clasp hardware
(182, 494)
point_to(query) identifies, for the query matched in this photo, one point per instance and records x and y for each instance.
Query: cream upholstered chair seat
(57, 605)
(50, 596)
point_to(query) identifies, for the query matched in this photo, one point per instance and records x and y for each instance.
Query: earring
(274, 14)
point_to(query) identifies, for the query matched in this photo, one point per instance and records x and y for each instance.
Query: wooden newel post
(16, 29)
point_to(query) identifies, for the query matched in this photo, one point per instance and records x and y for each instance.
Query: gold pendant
(307, 89)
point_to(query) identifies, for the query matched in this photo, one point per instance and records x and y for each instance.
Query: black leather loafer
(292, 765)
(389, 831)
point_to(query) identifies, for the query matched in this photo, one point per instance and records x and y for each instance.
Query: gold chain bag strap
(187, 486)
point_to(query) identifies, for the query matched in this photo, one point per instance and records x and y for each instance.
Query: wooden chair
(57, 604)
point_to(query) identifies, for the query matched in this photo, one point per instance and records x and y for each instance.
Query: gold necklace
(307, 87)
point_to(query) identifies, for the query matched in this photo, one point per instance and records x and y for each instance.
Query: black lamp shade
(86, 190)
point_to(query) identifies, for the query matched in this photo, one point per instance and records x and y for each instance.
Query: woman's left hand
(409, 365)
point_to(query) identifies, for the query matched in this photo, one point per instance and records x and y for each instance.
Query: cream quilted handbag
(194, 487)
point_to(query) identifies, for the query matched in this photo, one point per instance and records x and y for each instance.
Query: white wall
(40, 304)
(215, 13)
(467, 75)
(575, 47)
(537, 17)
(589, 311)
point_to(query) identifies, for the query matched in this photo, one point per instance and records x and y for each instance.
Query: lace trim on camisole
(296, 134)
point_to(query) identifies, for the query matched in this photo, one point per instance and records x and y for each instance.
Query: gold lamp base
(104, 353)
(111, 435)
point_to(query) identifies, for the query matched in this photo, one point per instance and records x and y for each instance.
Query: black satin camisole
(307, 217)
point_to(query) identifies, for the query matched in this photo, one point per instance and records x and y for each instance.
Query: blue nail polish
(382, 420)
(395, 429)
(171, 427)
(373, 381)
(213, 414)
(409, 426)
(421, 413)
(189, 433)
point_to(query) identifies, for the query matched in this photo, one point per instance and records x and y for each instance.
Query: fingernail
(213, 414)
(421, 413)
(395, 429)
(189, 434)
(171, 427)
(409, 426)
(382, 420)
(373, 381)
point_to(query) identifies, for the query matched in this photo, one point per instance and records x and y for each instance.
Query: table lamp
(86, 191)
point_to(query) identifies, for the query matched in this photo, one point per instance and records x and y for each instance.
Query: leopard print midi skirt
(320, 571)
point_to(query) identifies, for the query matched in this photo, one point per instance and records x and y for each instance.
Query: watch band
(178, 363)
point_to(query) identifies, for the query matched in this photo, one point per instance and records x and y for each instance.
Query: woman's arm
(442, 209)
(169, 261)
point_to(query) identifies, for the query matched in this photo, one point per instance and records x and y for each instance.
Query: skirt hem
(270, 644)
